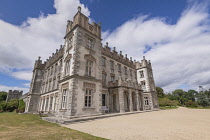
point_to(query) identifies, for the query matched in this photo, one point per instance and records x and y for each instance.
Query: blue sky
(160, 29)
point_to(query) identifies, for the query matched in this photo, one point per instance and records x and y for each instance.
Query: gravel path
(175, 124)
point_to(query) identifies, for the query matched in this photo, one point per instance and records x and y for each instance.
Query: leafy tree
(178, 92)
(160, 92)
(12, 105)
(3, 96)
(21, 106)
(3, 105)
(190, 95)
(202, 100)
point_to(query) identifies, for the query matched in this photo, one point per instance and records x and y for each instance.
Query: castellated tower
(35, 87)
(145, 78)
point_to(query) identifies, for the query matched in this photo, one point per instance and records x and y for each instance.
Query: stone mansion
(85, 78)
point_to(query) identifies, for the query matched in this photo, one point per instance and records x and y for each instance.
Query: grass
(28, 126)
(168, 107)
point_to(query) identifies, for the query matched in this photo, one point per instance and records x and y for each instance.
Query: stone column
(53, 103)
(45, 100)
(137, 101)
(130, 99)
(48, 108)
(40, 109)
(121, 100)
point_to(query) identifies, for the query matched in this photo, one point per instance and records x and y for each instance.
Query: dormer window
(90, 43)
(142, 74)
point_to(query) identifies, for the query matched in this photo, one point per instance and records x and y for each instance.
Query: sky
(174, 35)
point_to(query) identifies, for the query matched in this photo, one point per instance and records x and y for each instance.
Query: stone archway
(126, 101)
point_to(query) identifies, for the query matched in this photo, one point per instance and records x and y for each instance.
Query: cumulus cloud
(179, 52)
(41, 36)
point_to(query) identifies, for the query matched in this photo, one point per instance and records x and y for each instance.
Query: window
(131, 73)
(103, 99)
(126, 71)
(112, 66)
(143, 83)
(64, 99)
(60, 65)
(46, 86)
(51, 70)
(146, 101)
(70, 42)
(141, 74)
(112, 78)
(48, 72)
(88, 97)
(67, 68)
(89, 65)
(103, 61)
(53, 87)
(104, 79)
(119, 68)
(90, 43)
(56, 66)
(49, 86)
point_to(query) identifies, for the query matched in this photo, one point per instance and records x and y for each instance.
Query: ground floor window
(146, 100)
(103, 99)
(64, 99)
(88, 97)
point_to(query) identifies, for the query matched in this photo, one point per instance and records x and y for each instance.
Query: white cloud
(180, 52)
(21, 45)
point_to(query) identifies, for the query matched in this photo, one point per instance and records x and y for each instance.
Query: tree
(202, 100)
(21, 107)
(3, 96)
(160, 92)
(178, 92)
(12, 105)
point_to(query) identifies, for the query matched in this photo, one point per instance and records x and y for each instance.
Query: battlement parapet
(113, 54)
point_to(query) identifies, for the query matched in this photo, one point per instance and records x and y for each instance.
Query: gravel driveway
(175, 124)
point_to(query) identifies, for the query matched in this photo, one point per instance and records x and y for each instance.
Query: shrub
(21, 108)
(190, 103)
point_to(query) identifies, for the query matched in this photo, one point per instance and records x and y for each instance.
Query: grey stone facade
(84, 78)
(14, 94)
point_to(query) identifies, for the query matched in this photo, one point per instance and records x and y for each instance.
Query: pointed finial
(107, 44)
(79, 9)
(39, 57)
(143, 57)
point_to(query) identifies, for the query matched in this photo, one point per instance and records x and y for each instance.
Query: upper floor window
(90, 43)
(126, 71)
(104, 79)
(56, 66)
(143, 83)
(70, 42)
(64, 99)
(119, 67)
(67, 67)
(112, 78)
(51, 70)
(131, 73)
(112, 66)
(89, 67)
(104, 61)
(88, 97)
(142, 74)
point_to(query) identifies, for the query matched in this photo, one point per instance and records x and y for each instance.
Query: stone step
(82, 119)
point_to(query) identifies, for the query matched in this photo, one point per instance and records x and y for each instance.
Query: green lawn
(27, 126)
(168, 107)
